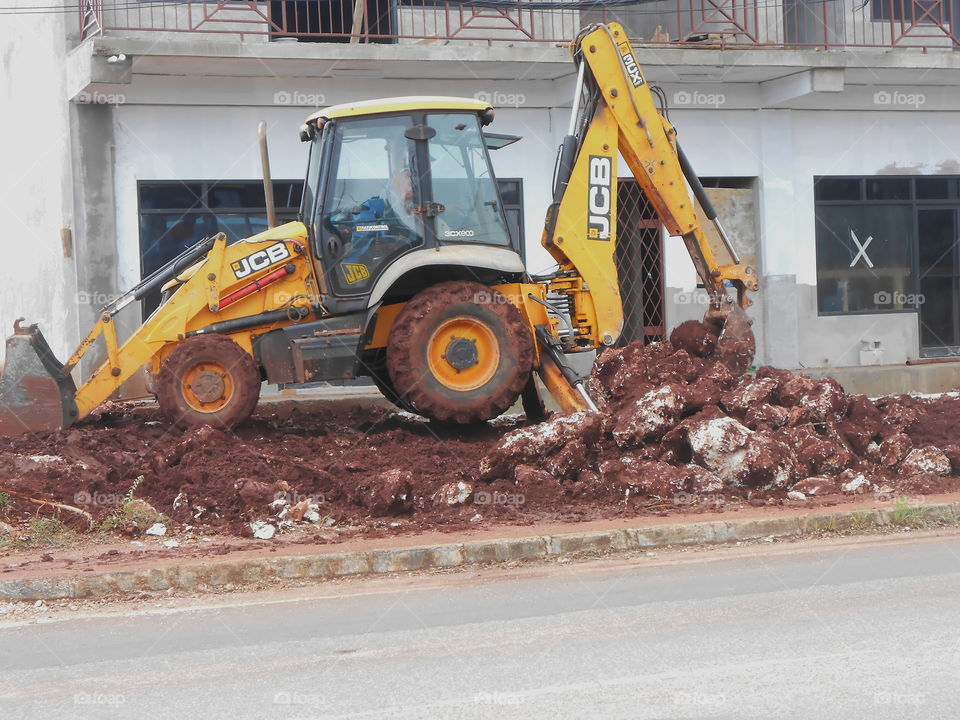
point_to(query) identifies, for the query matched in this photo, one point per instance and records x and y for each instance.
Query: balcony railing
(919, 24)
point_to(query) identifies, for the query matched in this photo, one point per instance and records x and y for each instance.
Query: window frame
(913, 202)
(201, 206)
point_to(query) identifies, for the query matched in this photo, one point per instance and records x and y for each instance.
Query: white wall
(36, 280)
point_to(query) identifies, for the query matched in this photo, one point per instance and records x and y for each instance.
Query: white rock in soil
(171, 543)
(796, 495)
(453, 493)
(857, 485)
(929, 459)
(158, 529)
(262, 530)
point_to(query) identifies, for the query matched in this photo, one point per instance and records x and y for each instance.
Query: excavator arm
(614, 113)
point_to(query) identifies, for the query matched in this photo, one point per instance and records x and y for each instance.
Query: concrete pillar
(95, 235)
(778, 231)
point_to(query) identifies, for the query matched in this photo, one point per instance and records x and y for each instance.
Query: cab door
(369, 212)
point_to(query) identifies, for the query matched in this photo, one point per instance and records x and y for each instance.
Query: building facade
(826, 132)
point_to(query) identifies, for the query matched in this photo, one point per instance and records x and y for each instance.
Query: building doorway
(639, 260)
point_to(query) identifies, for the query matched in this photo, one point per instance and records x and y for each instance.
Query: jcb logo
(354, 272)
(598, 197)
(259, 260)
(633, 70)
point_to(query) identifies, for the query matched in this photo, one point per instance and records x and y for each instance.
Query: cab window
(463, 182)
(368, 216)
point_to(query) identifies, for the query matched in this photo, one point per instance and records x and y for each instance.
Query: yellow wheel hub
(463, 353)
(207, 387)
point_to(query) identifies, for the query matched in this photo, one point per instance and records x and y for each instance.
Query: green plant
(949, 515)
(134, 512)
(4, 499)
(47, 531)
(906, 514)
(861, 518)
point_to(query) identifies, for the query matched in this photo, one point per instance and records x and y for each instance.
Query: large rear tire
(208, 380)
(459, 352)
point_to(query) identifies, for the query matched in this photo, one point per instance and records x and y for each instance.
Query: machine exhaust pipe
(267, 180)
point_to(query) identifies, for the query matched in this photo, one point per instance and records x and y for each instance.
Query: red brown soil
(678, 433)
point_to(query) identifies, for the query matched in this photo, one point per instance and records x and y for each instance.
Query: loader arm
(614, 112)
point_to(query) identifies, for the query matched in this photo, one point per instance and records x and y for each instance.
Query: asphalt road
(863, 631)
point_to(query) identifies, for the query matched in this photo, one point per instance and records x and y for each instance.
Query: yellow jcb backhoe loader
(401, 268)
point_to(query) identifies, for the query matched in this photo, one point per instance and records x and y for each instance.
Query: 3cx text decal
(259, 260)
(633, 70)
(598, 197)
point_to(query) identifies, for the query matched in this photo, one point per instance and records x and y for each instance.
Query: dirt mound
(676, 422)
(677, 433)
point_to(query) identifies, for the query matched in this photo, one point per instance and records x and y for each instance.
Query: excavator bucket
(35, 392)
(736, 344)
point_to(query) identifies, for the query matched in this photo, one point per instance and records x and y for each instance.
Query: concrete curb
(203, 575)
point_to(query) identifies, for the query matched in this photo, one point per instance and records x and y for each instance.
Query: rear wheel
(460, 352)
(208, 380)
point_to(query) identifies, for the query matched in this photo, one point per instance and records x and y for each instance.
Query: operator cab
(392, 177)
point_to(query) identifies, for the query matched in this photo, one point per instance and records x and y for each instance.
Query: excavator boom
(615, 113)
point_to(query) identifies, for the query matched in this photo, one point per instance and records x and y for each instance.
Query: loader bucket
(35, 392)
(736, 344)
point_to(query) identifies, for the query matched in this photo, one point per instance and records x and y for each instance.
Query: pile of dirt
(678, 432)
(347, 468)
(676, 423)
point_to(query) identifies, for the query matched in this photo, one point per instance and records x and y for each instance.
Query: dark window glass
(174, 216)
(932, 188)
(511, 195)
(936, 241)
(837, 189)
(888, 189)
(170, 196)
(236, 195)
(510, 192)
(863, 258)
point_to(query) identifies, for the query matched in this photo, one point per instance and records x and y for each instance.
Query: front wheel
(208, 380)
(460, 352)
